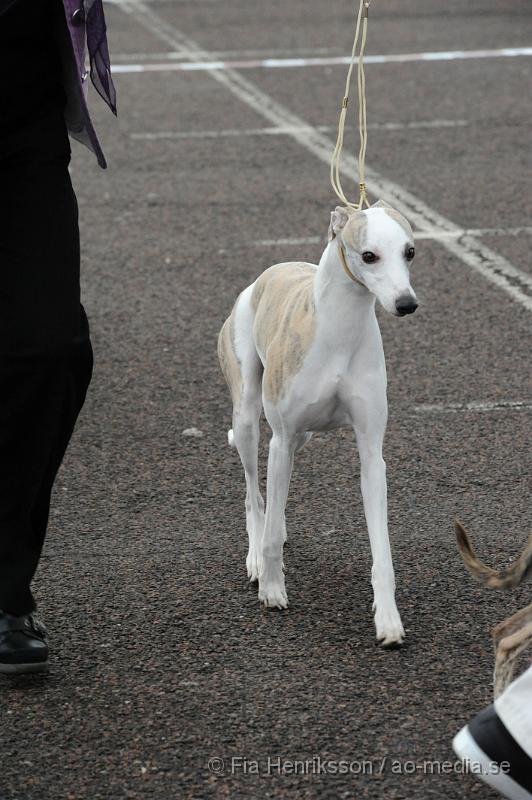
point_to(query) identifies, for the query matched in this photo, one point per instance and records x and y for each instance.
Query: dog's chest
(315, 400)
(327, 416)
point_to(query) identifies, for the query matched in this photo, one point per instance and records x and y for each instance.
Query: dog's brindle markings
(304, 343)
(514, 634)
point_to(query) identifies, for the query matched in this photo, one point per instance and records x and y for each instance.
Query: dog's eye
(369, 257)
(410, 253)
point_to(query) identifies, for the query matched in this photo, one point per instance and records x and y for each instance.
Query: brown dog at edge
(514, 634)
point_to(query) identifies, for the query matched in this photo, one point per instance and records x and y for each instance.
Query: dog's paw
(390, 631)
(272, 594)
(253, 565)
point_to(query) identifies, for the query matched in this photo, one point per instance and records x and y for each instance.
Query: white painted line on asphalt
(168, 2)
(436, 235)
(320, 61)
(175, 55)
(221, 134)
(523, 230)
(474, 406)
(493, 267)
(231, 132)
(290, 242)
(414, 124)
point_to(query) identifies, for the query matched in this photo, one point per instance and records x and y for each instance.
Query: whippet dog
(303, 342)
(512, 635)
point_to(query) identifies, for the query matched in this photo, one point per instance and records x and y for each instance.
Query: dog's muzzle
(405, 304)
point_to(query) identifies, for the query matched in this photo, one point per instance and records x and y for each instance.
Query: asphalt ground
(161, 657)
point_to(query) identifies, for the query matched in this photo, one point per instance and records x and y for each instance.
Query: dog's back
(273, 321)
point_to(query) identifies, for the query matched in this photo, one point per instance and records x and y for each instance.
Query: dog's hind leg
(272, 592)
(245, 433)
(246, 438)
(302, 440)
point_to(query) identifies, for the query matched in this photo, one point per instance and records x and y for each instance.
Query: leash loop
(361, 25)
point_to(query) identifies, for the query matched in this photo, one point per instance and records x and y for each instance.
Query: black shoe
(23, 645)
(491, 753)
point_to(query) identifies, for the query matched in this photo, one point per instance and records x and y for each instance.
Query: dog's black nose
(405, 305)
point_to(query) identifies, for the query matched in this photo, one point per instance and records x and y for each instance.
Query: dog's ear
(339, 218)
(381, 204)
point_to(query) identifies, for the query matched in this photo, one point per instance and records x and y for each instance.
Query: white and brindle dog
(303, 342)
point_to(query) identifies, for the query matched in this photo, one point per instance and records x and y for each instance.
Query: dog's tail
(231, 438)
(496, 579)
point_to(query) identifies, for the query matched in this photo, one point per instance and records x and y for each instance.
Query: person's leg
(77, 375)
(514, 709)
(497, 744)
(45, 351)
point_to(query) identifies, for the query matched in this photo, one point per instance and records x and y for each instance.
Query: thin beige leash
(362, 23)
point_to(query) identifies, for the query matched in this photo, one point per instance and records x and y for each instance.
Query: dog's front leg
(369, 420)
(272, 590)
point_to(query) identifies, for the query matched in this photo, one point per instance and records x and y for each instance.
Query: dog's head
(378, 245)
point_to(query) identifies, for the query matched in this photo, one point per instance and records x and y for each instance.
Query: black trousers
(45, 349)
